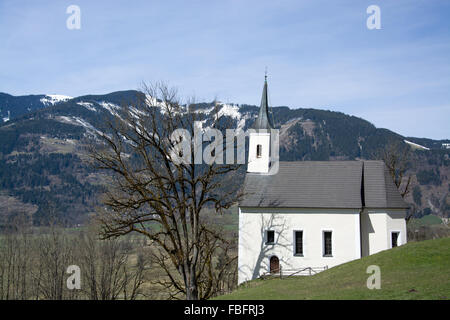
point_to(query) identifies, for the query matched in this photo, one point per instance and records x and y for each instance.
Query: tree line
(34, 264)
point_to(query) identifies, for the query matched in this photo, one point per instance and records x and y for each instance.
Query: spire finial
(265, 74)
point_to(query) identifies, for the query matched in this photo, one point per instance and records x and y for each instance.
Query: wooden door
(274, 264)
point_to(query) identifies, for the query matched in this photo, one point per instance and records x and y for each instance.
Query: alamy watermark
(374, 20)
(73, 22)
(187, 148)
(374, 281)
(74, 280)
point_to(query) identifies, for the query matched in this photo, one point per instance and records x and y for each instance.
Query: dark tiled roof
(380, 190)
(323, 184)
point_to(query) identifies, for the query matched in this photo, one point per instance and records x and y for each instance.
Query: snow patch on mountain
(87, 105)
(111, 107)
(52, 99)
(163, 107)
(224, 109)
(205, 111)
(415, 145)
(229, 110)
(7, 118)
(150, 101)
(77, 121)
(135, 112)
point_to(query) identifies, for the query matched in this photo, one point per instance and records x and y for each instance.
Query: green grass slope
(417, 270)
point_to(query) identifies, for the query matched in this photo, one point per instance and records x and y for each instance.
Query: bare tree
(33, 264)
(155, 194)
(397, 157)
(54, 254)
(107, 272)
(15, 258)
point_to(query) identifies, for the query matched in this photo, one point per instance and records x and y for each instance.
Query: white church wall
(395, 220)
(373, 226)
(254, 253)
(376, 227)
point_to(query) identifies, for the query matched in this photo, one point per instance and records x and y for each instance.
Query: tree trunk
(191, 285)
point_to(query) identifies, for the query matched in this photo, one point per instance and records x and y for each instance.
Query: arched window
(259, 151)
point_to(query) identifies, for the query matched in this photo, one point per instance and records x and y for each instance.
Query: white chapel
(308, 216)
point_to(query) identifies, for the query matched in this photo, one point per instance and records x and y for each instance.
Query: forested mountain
(12, 107)
(41, 150)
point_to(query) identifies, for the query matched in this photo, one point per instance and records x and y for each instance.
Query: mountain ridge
(118, 95)
(41, 148)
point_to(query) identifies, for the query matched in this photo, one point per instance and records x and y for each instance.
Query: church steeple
(264, 120)
(259, 138)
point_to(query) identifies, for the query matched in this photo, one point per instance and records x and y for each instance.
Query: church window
(270, 237)
(298, 243)
(259, 151)
(327, 245)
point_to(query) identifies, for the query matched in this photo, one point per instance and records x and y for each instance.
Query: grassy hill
(417, 270)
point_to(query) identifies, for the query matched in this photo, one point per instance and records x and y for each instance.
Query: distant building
(315, 214)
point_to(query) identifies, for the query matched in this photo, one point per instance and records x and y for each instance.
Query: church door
(274, 265)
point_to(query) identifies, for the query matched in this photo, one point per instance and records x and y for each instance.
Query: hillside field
(417, 270)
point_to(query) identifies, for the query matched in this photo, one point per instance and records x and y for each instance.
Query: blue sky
(319, 54)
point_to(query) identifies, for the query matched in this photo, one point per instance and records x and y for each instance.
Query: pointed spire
(264, 120)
